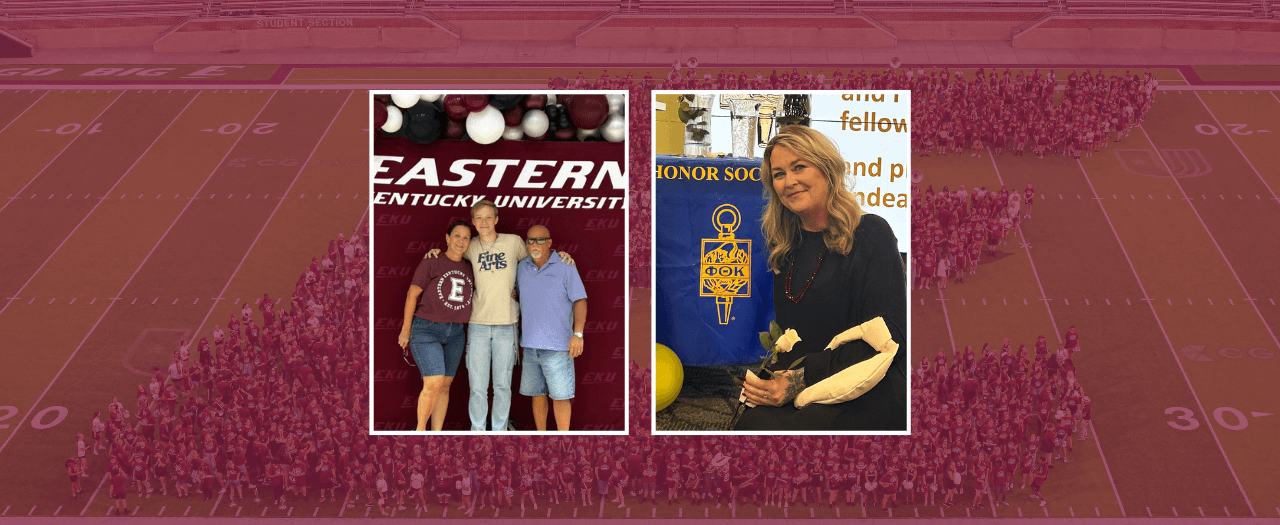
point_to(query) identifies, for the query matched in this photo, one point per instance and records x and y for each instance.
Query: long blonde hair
(781, 226)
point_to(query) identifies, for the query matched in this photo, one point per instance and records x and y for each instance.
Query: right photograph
(781, 236)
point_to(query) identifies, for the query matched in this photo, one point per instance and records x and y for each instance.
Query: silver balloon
(584, 134)
(535, 123)
(513, 133)
(486, 126)
(551, 99)
(405, 100)
(394, 119)
(617, 103)
(614, 129)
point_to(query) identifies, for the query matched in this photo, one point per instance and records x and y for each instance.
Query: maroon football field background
(132, 217)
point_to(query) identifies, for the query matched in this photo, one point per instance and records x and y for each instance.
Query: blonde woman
(835, 268)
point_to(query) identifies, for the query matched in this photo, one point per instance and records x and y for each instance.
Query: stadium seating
(310, 7)
(1216, 9)
(17, 9)
(117, 8)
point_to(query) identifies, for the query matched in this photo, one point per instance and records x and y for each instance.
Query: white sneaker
(1043, 503)
(620, 505)
(232, 504)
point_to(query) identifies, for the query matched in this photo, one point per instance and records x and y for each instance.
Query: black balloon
(424, 123)
(504, 102)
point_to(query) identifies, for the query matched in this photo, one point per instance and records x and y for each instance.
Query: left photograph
(498, 245)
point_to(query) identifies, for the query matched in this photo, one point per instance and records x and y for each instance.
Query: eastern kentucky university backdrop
(574, 188)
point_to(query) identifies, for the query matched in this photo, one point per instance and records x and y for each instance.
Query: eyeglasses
(538, 240)
(407, 359)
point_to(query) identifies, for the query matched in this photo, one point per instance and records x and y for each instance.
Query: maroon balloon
(513, 116)
(379, 114)
(454, 107)
(565, 133)
(535, 102)
(588, 111)
(455, 129)
(475, 103)
(383, 98)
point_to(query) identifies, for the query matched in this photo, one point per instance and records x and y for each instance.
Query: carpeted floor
(707, 399)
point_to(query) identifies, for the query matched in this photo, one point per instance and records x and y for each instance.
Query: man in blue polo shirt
(553, 311)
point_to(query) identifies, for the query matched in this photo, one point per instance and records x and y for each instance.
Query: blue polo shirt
(547, 295)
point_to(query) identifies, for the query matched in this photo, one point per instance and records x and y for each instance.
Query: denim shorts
(437, 347)
(546, 372)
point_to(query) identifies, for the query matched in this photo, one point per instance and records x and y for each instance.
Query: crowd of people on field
(273, 399)
(952, 230)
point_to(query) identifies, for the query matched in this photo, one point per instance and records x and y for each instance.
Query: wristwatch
(578, 335)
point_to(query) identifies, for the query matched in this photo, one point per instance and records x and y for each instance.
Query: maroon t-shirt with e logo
(446, 290)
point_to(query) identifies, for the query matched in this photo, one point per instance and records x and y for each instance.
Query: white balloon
(432, 96)
(551, 99)
(513, 133)
(394, 120)
(535, 123)
(614, 129)
(584, 134)
(405, 100)
(486, 126)
(617, 103)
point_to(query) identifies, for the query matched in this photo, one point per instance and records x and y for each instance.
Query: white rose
(788, 340)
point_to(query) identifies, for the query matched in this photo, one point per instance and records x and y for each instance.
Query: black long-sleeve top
(846, 291)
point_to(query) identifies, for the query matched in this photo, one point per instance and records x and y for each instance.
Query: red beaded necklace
(792, 268)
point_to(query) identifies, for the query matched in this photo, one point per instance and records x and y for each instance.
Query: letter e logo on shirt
(455, 294)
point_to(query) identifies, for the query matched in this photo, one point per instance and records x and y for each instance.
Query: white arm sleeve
(856, 380)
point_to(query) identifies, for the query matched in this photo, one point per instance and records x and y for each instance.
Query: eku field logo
(725, 272)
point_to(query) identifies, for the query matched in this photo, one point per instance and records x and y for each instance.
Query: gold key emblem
(726, 263)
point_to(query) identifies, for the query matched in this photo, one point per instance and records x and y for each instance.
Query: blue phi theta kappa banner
(713, 290)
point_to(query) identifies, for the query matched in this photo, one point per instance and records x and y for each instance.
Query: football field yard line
(73, 231)
(64, 148)
(1190, 202)
(1058, 334)
(1173, 351)
(30, 411)
(943, 300)
(1233, 143)
(94, 495)
(280, 202)
(24, 112)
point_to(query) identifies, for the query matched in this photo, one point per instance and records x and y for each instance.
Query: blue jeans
(490, 349)
(547, 373)
(436, 347)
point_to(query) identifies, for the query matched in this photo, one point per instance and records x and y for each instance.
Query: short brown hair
(486, 202)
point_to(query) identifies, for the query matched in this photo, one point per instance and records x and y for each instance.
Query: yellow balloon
(668, 373)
